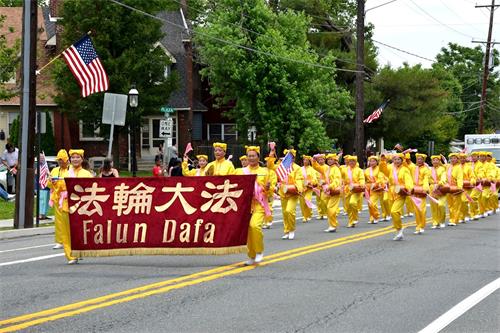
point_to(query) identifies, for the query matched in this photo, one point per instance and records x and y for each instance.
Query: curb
(16, 233)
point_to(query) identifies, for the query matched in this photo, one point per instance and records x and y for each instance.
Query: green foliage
(421, 109)
(124, 41)
(17, 3)
(8, 64)
(48, 141)
(287, 101)
(466, 65)
(15, 132)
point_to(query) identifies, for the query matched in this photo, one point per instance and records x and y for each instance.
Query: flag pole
(37, 72)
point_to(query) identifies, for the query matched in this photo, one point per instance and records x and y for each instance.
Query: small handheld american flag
(377, 113)
(285, 167)
(44, 172)
(86, 67)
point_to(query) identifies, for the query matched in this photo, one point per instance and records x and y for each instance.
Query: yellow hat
(424, 156)
(346, 157)
(436, 156)
(306, 157)
(76, 151)
(202, 156)
(292, 151)
(220, 145)
(62, 155)
(244, 157)
(254, 148)
(351, 158)
(319, 155)
(400, 155)
(462, 155)
(453, 155)
(373, 157)
(407, 156)
(332, 156)
(475, 153)
(488, 153)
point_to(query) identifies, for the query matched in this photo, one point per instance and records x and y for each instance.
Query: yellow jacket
(192, 172)
(335, 177)
(294, 178)
(358, 177)
(437, 177)
(264, 179)
(374, 176)
(403, 176)
(58, 186)
(221, 168)
(456, 178)
(469, 174)
(423, 176)
(310, 177)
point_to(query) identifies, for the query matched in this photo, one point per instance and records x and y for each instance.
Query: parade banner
(165, 215)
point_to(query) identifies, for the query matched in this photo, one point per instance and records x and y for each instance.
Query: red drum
(400, 190)
(455, 190)
(376, 187)
(486, 183)
(467, 184)
(444, 189)
(335, 191)
(356, 188)
(418, 191)
(290, 189)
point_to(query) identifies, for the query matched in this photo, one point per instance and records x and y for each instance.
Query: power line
(234, 44)
(385, 3)
(435, 19)
(400, 50)
(456, 15)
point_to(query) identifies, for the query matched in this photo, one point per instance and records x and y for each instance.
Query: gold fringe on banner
(160, 251)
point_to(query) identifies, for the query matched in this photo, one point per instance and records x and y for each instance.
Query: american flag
(376, 114)
(44, 172)
(285, 167)
(85, 65)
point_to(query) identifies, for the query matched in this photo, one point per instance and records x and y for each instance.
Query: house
(12, 29)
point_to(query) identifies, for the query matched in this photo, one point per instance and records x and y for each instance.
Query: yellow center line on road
(178, 283)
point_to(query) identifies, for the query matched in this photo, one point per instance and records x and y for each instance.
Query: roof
(174, 34)
(50, 27)
(12, 29)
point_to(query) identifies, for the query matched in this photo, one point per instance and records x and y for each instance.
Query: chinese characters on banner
(176, 215)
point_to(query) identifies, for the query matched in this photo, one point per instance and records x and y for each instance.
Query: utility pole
(359, 139)
(26, 174)
(486, 65)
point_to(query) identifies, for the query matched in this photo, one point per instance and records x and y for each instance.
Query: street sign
(167, 109)
(166, 128)
(114, 109)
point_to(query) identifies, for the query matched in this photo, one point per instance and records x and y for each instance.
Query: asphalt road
(356, 280)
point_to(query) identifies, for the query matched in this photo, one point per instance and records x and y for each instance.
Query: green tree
(9, 61)
(125, 42)
(48, 141)
(288, 101)
(421, 109)
(466, 64)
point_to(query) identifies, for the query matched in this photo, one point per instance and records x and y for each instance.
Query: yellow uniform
(322, 199)
(421, 175)
(58, 188)
(374, 179)
(334, 183)
(353, 176)
(454, 177)
(220, 167)
(408, 203)
(193, 172)
(468, 175)
(490, 174)
(438, 210)
(310, 181)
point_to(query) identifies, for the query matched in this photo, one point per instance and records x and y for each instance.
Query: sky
(423, 27)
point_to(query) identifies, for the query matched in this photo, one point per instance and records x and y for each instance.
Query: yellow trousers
(386, 204)
(66, 235)
(396, 209)
(269, 219)
(352, 200)
(255, 240)
(464, 206)
(306, 211)
(438, 210)
(333, 209)
(454, 203)
(322, 202)
(288, 206)
(375, 198)
(409, 205)
(492, 202)
(474, 205)
(484, 201)
(58, 224)
(420, 212)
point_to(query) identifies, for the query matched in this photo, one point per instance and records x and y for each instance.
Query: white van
(484, 142)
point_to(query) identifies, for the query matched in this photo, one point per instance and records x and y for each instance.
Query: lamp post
(133, 102)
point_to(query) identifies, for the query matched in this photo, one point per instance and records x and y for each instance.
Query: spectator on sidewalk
(107, 169)
(10, 159)
(6, 196)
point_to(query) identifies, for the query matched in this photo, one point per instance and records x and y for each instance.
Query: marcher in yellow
(320, 166)
(421, 175)
(260, 204)
(477, 169)
(437, 178)
(343, 168)
(294, 188)
(244, 161)
(333, 190)
(221, 166)
(375, 187)
(57, 187)
(455, 178)
(408, 203)
(75, 171)
(200, 171)
(469, 184)
(497, 187)
(400, 184)
(386, 197)
(491, 203)
(354, 184)
(310, 181)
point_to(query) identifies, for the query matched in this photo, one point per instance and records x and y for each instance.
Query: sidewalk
(14, 233)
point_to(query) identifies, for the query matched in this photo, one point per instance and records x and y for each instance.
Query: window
(90, 131)
(223, 132)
